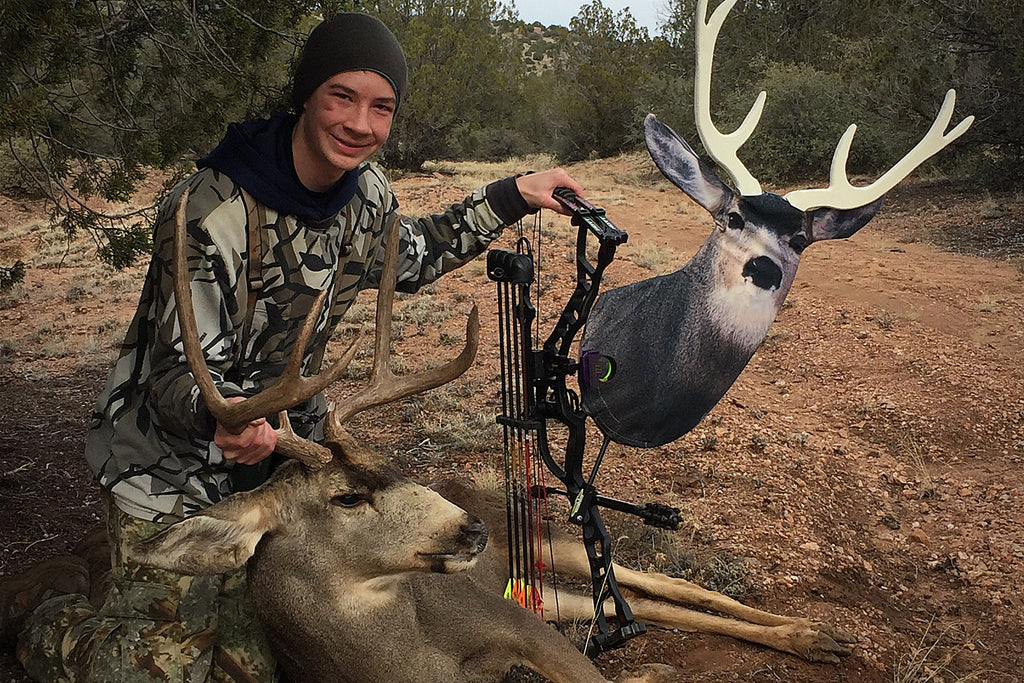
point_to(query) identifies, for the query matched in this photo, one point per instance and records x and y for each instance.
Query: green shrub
(16, 180)
(11, 275)
(805, 115)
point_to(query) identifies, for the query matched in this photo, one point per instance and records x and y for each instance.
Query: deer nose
(474, 534)
(764, 272)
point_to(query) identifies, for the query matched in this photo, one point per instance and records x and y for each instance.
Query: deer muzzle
(465, 548)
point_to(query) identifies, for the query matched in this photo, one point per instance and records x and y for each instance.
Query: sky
(645, 12)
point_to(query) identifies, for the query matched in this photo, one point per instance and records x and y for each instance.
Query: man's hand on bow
(537, 188)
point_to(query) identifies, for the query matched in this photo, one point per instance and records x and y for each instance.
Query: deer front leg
(546, 651)
(543, 649)
(805, 638)
(800, 637)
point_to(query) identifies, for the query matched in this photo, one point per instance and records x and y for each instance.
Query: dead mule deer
(357, 573)
(679, 341)
(325, 586)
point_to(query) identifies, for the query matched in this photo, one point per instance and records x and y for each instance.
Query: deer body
(349, 594)
(357, 574)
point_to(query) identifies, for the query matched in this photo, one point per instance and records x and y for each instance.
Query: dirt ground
(865, 470)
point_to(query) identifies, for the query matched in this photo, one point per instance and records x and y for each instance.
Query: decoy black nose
(764, 272)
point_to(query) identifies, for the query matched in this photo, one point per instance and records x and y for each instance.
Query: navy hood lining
(257, 155)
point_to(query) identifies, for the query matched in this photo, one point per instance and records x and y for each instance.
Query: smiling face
(344, 122)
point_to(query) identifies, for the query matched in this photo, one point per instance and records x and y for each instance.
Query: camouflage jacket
(149, 443)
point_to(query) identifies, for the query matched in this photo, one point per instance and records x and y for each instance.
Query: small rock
(919, 536)
(891, 522)
(810, 546)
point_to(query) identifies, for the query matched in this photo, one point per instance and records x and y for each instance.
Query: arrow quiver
(534, 395)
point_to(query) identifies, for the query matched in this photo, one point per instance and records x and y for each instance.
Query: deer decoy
(678, 342)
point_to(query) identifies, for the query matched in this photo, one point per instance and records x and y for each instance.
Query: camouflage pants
(154, 625)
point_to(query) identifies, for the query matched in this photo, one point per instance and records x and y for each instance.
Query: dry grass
(646, 548)
(55, 251)
(885, 320)
(476, 173)
(915, 453)
(8, 349)
(13, 296)
(454, 416)
(660, 260)
(1018, 263)
(991, 208)
(929, 661)
(423, 310)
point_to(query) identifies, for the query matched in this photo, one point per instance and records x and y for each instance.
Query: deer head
(339, 513)
(681, 340)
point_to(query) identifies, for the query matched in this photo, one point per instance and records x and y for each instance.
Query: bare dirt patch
(865, 470)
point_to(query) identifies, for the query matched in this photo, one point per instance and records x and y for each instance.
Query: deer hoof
(835, 634)
(816, 645)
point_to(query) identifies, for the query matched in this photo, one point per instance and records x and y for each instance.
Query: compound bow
(535, 392)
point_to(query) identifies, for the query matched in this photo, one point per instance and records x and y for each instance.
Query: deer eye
(348, 500)
(736, 221)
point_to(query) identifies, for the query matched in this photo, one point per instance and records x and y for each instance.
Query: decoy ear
(831, 224)
(683, 167)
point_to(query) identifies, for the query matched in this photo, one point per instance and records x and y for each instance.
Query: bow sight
(534, 393)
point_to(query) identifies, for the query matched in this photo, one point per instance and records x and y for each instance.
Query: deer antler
(721, 147)
(385, 386)
(292, 388)
(840, 194)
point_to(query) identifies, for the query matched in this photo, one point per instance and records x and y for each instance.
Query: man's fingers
(254, 444)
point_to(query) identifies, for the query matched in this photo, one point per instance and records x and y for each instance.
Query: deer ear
(830, 224)
(683, 167)
(221, 538)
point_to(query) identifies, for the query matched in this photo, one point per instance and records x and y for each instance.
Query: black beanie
(349, 42)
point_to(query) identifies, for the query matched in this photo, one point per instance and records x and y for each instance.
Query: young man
(281, 210)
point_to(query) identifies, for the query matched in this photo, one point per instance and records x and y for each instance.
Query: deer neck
(364, 597)
(281, 571)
